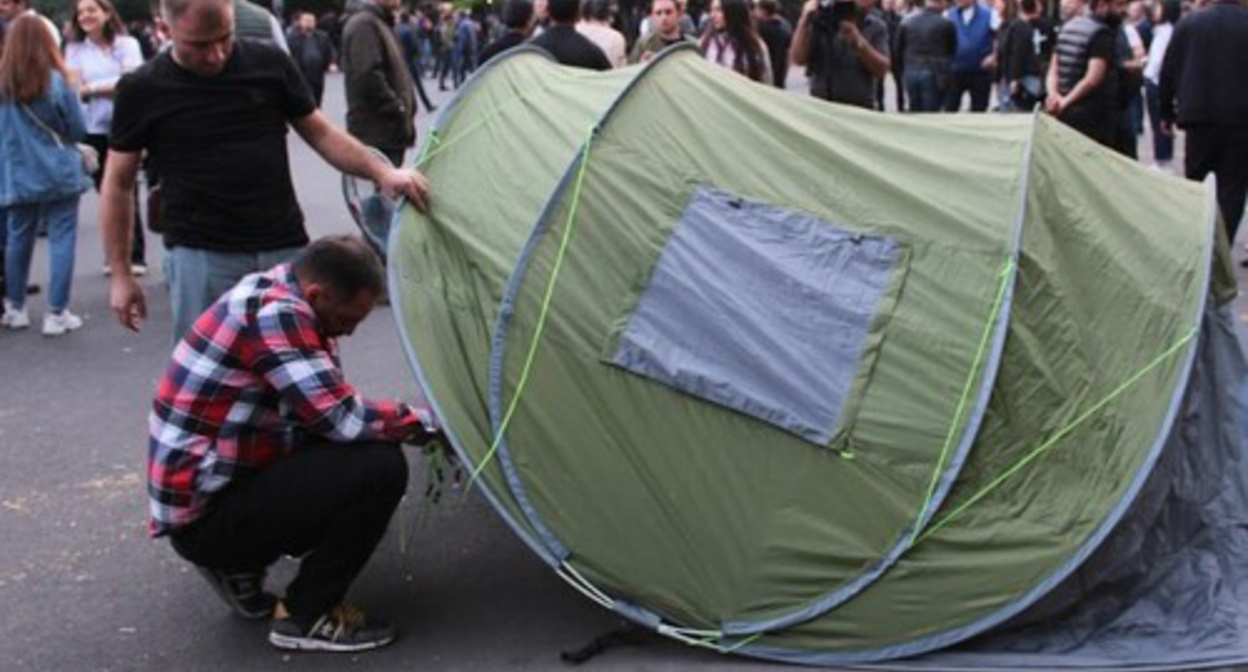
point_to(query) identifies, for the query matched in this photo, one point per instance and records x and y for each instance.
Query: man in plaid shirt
(259, 448)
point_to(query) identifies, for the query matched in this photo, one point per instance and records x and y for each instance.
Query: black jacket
(572, 48)
(1206, 68)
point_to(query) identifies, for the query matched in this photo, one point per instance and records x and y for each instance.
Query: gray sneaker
(343, 629)
(242, 591)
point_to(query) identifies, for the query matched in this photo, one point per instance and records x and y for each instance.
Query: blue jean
(923, 88)
(197, 278)
(61, 217)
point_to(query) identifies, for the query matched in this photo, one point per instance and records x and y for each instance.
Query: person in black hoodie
(1204, 89)
(519, 19)
(777, 34)
(1018, 63)
(563, 42)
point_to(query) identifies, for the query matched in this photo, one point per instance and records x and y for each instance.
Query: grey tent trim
(949, 473)
(949, 637)
(507, 306)
(395, 273)
(394, 282)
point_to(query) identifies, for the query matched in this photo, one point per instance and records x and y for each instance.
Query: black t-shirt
(572, 48)
(219, 146)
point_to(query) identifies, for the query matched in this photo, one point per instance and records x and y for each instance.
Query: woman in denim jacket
(41, 171)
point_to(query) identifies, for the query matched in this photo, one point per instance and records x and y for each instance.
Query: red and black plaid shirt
(251, 375)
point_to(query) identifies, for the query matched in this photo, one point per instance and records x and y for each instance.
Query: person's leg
(980, 86)
(197, 278)
(953, 95)
(420, 90)
(330, 503)
(1163, 145)
(20, 244)
(62, 218)
(1232, 171)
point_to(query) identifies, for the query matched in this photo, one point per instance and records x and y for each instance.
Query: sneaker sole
(290, 643)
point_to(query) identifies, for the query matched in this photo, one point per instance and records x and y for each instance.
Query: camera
(832, 13)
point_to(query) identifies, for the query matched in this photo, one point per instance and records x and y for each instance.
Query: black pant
(138, 247)
(1223, 151)
(331, 501)
(979, 84)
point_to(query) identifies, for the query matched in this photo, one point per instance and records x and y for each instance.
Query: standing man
(666, 30)
(1204, 89)
(313, 53)
(777, 34)
(846, 49)
(212, 115)
(381, 99)
(1082, 80)
(971, 70)
(563, 42)
(596, 25)
(926, 44)
(519, 19)
(259, 447)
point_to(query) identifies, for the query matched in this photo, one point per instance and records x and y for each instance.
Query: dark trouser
(395, 154)
(923, 87)
(330, 501)
(414, 68)
(138, 247)
(443, 67)
(979, 84)
(1223, 151)
(1163, 145)
(317, 84)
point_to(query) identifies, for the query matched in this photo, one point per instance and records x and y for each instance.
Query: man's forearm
(799, 51)
(116, 214)
(876, 63)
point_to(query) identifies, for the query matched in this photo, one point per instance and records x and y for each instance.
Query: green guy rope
(541, 318)
(967, 388)
(1061, 434)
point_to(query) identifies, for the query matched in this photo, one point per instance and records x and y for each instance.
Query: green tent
(794, 380)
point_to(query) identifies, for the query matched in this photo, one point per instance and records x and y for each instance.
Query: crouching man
(259, 448)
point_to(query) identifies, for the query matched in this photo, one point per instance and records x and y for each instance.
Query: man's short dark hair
(1029, 6)
(517, 13)
(769, 7)
(344, 263)
(564, 11)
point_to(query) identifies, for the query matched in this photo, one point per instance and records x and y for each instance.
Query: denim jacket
(33, 166)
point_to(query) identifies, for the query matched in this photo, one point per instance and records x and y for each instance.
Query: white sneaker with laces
(55, 324)
(14, 318)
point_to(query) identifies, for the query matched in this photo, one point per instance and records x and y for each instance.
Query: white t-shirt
(1157, 52)
(98, 65)
(608, 39)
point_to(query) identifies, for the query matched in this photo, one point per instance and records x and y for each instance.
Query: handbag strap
(60, 143)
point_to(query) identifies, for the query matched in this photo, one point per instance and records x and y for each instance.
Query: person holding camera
(845, 49)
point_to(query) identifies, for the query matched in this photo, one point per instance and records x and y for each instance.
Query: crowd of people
(258, 447)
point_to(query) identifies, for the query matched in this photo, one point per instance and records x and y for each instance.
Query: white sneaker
(14, 318)
(55, 324)
(108, 270)
(138, 270)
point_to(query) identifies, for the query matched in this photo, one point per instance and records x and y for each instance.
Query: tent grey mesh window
(760, 309)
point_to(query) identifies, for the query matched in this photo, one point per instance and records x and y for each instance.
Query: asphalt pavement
(83, 588)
